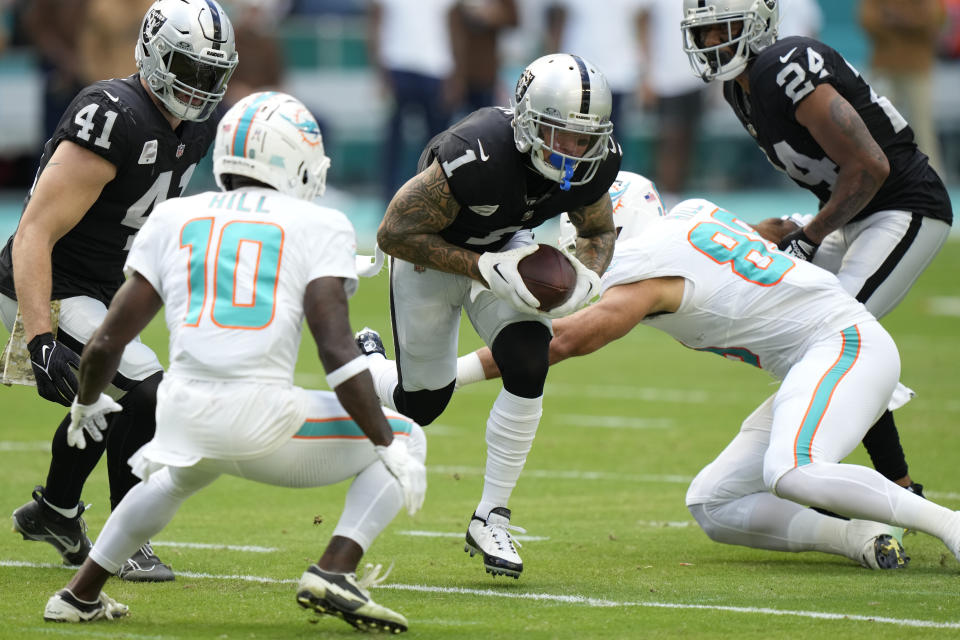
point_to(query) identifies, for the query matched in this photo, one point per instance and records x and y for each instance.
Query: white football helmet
(757, 21)
(560, 96)
(635, 203)
(186, 53)
(272, 138)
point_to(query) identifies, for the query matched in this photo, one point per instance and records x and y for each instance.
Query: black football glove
(797, 244)
(54, 367)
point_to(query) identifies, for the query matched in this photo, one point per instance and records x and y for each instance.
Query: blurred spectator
(410, 47)
(608, 37)
(51, 28)
(903, 40)
(949, 45)
(478, 26)
(800, 18)
(255, 24)
(525, 42)
(674, 93)
(107, 39)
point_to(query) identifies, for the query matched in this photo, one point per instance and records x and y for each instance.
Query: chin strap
(559, 162)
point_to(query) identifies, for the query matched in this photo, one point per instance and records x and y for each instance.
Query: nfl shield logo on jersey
(180, 149)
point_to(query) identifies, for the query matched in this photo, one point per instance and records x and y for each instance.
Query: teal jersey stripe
(240, 137)
(821, 397)
(346, 428)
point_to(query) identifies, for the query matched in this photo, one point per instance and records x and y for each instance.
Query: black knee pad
(423, 407)
(522, 352)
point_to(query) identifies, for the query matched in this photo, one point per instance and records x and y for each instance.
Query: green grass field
(612, 553)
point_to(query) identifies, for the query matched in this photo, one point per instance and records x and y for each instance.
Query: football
(549, 276)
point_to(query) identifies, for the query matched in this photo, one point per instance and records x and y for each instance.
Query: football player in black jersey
(456, 232)
(884, 212)
(122, 146)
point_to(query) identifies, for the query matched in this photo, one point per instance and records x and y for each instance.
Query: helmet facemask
(562, 118)
(746, 27)
(187, 57)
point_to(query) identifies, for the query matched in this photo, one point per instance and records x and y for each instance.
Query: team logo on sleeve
(149, 153)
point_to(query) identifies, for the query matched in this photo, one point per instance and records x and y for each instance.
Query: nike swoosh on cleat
(69, 548)
(787, 55)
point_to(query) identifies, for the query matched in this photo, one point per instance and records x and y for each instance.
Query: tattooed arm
(595, 233)
(863, 167)
(415, 216)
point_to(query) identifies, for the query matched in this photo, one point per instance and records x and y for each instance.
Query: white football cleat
(63, 606)
(492, 539)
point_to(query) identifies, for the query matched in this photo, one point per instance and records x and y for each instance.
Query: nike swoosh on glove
(797, 244)
(54, 369)
(588, 286)
(91, 418)
(499, 269)
(410, 473)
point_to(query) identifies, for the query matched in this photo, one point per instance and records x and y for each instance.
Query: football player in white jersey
(237, 271)
(710, 281)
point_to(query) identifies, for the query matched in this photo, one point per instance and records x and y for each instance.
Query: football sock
(129, 430)
(69, 468)
(860, 492)
(147, 508)
(384, 374)
(66, 513)
(882, 442)
(511, 428)
(375, 497)
(764, 521)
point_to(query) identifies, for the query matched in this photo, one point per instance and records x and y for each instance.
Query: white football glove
(409, 472)
(91, 418)
(499, 269)
(799, 219)
(587, 287)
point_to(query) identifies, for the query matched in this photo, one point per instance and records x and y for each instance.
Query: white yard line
(203, 545)
(944, 306)
(448, 534)
(567, 599)
(571, 475)
(39, 445)
(612, 422)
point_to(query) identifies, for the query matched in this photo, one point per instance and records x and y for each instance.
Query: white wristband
(469, 370)
(341, 374)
